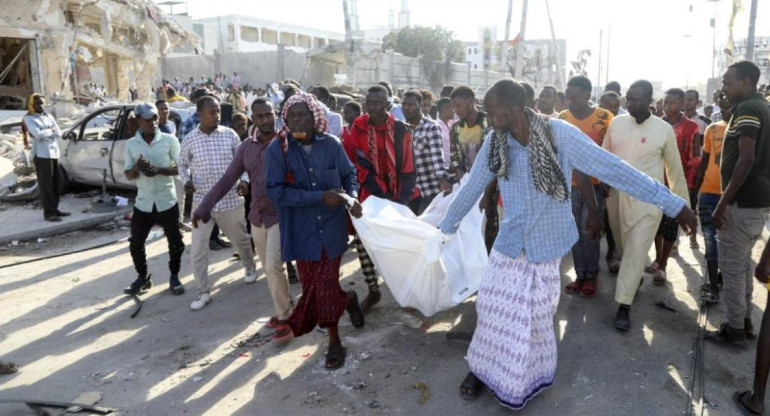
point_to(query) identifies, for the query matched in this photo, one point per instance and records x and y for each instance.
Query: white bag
(422, 268)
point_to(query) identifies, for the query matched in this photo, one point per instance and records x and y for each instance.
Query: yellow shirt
(594, 126)
(712, 144)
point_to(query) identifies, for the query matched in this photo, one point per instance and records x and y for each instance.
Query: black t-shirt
(751, 118)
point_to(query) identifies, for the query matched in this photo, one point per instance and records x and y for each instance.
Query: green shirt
(162, 152)
(750, 118)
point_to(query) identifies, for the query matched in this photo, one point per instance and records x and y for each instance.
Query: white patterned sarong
(513, 350)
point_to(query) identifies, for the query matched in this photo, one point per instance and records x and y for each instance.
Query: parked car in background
(95, 146)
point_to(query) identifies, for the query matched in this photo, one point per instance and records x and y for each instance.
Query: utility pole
(518, 67)
(599, 69)
(607, 65)
(506, 40)
(554, 58)
(750, 38)
(349, 69)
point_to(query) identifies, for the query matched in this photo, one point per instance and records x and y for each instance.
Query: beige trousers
(267, 241)
(233, 224)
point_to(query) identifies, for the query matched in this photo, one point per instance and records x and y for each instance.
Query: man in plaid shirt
(428, 145)
(205, 156)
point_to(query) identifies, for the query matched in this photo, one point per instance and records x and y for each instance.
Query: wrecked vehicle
(95, 146)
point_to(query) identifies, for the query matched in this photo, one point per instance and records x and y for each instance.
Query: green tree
(436, 43)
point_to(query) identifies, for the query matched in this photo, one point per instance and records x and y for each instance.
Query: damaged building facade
(55, 47)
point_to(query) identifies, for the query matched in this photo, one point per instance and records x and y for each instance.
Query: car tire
(65, 183)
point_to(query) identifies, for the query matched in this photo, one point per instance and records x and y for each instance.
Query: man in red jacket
(384, 162)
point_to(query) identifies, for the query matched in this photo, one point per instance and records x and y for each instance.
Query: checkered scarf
(320, 126)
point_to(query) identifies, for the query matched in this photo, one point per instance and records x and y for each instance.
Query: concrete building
(483, 53)
(235, 33)
(761, 57)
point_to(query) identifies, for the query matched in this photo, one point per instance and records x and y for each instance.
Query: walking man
(42, 128)
(151, 159)
(742, 211)
(205, 156)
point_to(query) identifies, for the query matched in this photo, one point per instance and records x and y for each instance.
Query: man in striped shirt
(206, 154)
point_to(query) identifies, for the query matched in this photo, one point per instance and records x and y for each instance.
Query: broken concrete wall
(127, 37)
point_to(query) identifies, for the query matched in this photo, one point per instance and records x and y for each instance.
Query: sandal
(471, 387)
(709, 295)
(8, 368)
(283, 333)
(588, 290)
(650, 271)
(354, 310)
(335, 357)
(613, 266)
(575, 287)
(741, 405)
(659, 277)
(274, 322)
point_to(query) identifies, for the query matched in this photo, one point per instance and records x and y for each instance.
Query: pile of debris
(17, 174)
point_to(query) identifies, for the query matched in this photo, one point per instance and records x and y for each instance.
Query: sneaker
(623, 318)
(140, 285)
(63, 214)
(53, 218)
(727, 337)
(222, 243)
(250, 277)
(200, 302)
(213, 245)
(175, 286)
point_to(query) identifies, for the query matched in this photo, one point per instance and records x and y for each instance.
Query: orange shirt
(594, 126)
(712, 144)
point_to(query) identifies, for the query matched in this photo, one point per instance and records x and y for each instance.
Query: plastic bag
(423, 268)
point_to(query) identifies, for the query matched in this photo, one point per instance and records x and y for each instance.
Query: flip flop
(574, 287)
(470, 388)
(274, 322)
(588, 290)
(335, 357)
(354, 310)
(742, 407)
(613, 266)
(288, 334)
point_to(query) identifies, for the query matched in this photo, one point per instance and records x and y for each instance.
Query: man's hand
(195, 219)
(719, 215)
(142, 163)
(356, 210)
(243, 188)
(332, 198)
(594, 226)
(762, 271)
(189, 188)
(446, 187)
(688, 222)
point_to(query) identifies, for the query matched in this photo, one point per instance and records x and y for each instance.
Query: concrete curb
(65, 226)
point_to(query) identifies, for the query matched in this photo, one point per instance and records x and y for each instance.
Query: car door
(89, 148)
(118, 152)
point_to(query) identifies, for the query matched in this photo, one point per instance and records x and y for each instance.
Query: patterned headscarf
(31, 103)
(320, 126)
(547, 175)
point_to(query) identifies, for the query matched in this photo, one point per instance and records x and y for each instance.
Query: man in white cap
(151, 160)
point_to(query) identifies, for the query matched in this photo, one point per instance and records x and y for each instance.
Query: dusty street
(67, 324)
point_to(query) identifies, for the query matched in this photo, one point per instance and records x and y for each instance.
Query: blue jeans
(585, 252)
(706, 205)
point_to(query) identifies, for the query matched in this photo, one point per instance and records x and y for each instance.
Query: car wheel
(65, 183)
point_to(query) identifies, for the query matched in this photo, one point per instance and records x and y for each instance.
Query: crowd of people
(554, 172)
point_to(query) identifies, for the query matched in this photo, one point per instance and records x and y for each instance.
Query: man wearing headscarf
(513, 350)
(309, 177)
(42, 128)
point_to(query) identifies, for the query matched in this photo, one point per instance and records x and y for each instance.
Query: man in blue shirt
(164, 124)
(151, 159)
(309, 177)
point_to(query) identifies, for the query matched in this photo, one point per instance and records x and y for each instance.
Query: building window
(469, 51)
(475, 66)
(475, 51)
(249, 34)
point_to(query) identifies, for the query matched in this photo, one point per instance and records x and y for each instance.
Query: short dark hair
(508, 93)
(645, 86)
(387, 86)
(613, 86)
(323, 92)
(446, 90)
(560, 95)
(746, 69)
(171, 91)
(426, 94)
(530, 91)
(261, 101)
(356, 106)
(443, 102)
(609, 94)
(414, 94)
(579, 81)
(677, 92)
(549, 87)
(159, 102)
(693, 92)
(379, 88)
(240, 115)
(204, 101)
(199, 93)
(463, 91)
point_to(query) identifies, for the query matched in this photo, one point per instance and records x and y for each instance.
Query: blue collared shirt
(307, 226)
(188, 125)
(536, 223)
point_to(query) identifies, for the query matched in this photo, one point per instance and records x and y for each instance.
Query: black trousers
(141, 224)
(48, 183)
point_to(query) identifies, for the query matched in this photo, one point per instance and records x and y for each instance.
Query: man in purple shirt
(263, 213)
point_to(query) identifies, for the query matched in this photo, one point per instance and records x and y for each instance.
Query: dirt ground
(67, 324)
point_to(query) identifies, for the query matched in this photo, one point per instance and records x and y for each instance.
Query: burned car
(95, 146)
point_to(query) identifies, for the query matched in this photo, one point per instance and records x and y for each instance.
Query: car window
(103, 125)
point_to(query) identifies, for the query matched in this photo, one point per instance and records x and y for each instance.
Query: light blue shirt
(162, 152)
(397, 112)
(536, 223)
(44, 131)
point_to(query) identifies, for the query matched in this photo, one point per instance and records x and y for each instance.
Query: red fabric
(687, 132)
(323, 301)
(382, 156)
